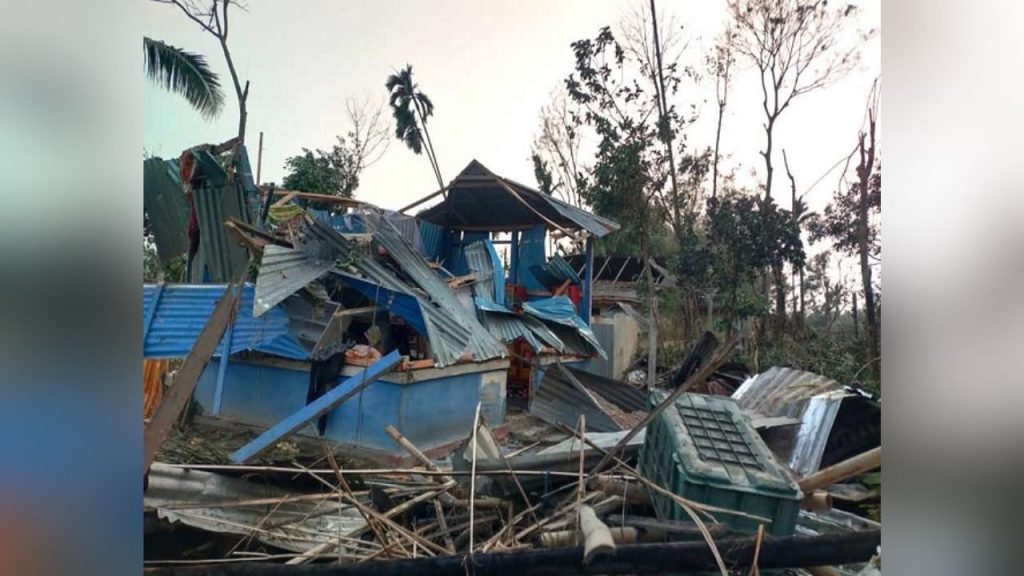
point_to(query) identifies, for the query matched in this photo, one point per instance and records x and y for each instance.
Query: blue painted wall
(430, 413)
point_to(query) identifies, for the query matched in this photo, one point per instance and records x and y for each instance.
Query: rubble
(398, 402)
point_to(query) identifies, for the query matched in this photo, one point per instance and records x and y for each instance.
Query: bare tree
(657, 49)
(797, 46)
(369, 133)
(212, 16)
(558, 144)
(865, 170)
(720, 64)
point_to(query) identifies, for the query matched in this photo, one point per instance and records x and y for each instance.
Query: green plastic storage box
(705, 449)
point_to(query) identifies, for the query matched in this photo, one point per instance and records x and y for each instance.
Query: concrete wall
(430, 412)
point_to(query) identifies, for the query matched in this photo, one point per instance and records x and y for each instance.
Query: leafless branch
(370, 130)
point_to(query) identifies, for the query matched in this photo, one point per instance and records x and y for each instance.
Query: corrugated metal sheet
(174, 314)
(476, 340)
(165, 204)
(628, 398)
(560, 310)
(560, 400)
(298, 526)
(558, 268)
(284, 271)
(453, 331)
(483, 262)
(225, 260)
(811, 398)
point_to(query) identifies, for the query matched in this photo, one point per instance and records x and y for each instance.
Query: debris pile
(390, 394)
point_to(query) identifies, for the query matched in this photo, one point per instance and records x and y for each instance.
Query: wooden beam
(424, 199)
(184, 383)
(843, 470)
(350, 387)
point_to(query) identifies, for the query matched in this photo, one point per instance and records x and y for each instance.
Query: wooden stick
(365, 471)
(515, 453)
(472, 479)
(699, 376)
(632, 493)
(414, 451)
(843, 470)
(757, 552)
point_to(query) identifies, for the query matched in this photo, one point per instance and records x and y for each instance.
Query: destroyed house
(336, 288)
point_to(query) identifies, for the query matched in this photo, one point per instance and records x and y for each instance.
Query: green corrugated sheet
(705, 449)
(164, 201)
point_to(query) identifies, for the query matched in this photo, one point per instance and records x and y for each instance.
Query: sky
(489, 67)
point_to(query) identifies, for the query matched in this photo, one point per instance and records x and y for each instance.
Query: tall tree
(212, 16)
(802, 216)
(720, 63)
(797, 46)
(411, 108)
(865, 171)
(337, 171)
(183, 73)
(850, 222)
(557, 147)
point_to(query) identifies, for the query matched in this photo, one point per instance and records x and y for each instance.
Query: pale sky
(489, 67)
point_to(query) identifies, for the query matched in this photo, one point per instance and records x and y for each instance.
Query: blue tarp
(173, 315)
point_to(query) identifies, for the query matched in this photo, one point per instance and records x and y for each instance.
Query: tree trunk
(664, 132)
(780, 300)
(867, 162)
(718, 140)
(856, 320)
(242, 94)
(430, 145)
(652, 330)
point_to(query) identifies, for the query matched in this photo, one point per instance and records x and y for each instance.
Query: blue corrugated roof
(182, 310)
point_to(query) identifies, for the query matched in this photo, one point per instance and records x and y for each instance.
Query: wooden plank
(180, 392)
(286, 199)
(317, 408)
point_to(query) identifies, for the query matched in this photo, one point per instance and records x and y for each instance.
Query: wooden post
(586, 303)
(838, 472)
(259, 160)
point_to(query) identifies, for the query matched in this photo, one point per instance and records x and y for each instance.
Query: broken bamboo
(842, 471)
(597, 540)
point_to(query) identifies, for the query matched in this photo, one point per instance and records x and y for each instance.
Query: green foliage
(334, 172)
(183, 73)
(541, 171)
(838, 222)
(153, 270)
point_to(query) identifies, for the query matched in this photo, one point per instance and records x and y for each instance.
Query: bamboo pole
(843, 470)
(597, 539)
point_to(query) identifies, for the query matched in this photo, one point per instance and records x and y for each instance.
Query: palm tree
(411, 108)
(184, 73)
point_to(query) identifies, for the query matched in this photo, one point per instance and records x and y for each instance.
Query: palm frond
(428, 106)
(184, 73)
